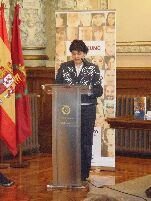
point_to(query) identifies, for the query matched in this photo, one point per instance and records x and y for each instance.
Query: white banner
(103, 150)
(98, 30)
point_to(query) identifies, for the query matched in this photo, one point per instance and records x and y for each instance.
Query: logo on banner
(95, 48)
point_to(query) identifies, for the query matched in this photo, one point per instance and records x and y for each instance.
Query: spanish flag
(23, 120)
(7, 90)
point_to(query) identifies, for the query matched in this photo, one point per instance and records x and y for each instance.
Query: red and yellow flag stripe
(7, 90)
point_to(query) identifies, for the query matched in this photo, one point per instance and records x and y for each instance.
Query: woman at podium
(79, 71)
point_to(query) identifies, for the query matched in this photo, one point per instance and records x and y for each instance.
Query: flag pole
(2, 164)
(23, 122)
(20, 163)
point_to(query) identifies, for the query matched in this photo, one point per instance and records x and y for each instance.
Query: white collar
(78, 68)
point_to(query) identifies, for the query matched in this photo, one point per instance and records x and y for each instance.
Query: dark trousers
(88, 116)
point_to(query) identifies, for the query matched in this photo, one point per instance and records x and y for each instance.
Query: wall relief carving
(33, 24)
(33, 28)
(82, 4)
(134, 48)
(32, 21)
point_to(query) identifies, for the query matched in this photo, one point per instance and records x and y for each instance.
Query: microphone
(84, 60)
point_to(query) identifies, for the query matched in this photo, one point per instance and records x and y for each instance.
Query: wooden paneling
(129, 122)
(36, 77)
(129, 81)
(133, 81)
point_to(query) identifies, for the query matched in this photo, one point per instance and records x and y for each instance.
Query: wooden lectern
(66, 134)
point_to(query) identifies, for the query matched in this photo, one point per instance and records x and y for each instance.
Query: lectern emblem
(65, 109)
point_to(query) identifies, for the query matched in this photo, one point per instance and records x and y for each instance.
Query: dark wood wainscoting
(36, 77)
(129, 81)
(133, 81)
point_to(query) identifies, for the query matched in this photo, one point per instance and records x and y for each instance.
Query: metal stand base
(23, 164)
(51, 187)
